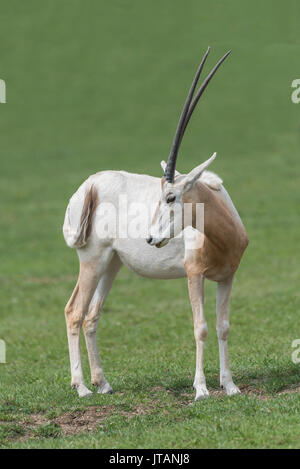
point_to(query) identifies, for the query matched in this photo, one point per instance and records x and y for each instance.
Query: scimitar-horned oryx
(213, 253)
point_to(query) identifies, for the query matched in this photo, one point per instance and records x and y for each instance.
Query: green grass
(99, 85)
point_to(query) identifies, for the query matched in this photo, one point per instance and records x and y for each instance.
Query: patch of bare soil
(290, 390)
(72, 423)
(90, 419)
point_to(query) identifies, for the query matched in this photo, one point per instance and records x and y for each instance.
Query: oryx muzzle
(186, 113)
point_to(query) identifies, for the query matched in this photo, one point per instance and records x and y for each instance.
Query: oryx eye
(170, 199)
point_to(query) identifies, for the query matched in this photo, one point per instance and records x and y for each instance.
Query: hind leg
(90, 324)
(76, 309)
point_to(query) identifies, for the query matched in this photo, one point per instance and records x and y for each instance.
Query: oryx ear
(163, 164)
(194, 175)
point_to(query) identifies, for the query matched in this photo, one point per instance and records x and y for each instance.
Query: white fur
(105, 257)
(212, 180)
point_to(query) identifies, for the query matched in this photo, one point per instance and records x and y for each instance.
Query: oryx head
(167, 221)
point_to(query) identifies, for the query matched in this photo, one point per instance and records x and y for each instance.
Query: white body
(101, 259)
(137, 255)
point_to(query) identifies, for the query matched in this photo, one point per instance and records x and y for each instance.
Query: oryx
(213, 253)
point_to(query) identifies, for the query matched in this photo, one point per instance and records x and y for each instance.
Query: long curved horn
(170, 169)
(200, 92)
(186, 114)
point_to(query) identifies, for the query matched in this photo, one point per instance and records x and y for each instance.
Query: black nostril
(149, 239)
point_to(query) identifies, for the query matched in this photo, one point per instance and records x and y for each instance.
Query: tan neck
(219, 225)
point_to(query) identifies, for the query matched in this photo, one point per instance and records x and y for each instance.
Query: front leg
(223, 299)
(196, 292)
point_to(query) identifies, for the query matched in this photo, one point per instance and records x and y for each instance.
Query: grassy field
(99, 85)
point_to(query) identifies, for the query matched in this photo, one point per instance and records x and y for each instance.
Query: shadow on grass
(263, 383)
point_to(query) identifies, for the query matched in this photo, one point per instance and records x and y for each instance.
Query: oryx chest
(203, 257)
(209, 262)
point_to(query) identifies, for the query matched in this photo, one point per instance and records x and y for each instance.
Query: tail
(77, 231)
